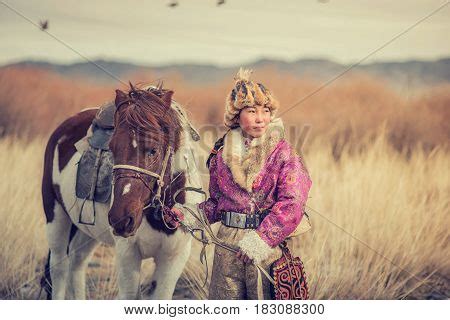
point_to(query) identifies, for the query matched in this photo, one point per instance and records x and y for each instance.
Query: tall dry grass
(24, 241)
(380, 225)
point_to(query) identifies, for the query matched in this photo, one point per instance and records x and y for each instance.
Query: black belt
(243, 220)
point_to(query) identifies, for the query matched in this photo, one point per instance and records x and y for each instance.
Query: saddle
(95, 168)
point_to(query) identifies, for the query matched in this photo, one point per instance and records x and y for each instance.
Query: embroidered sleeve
(210, 206)
(293, 186)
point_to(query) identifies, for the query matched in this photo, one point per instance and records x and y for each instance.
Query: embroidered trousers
(231, 278)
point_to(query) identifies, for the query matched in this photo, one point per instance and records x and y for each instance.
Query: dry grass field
(379, 205)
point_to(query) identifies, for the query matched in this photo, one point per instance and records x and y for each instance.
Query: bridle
(136, 173)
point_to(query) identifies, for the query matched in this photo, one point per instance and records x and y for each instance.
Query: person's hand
(173, 217)
(178, 214)
(243, 257)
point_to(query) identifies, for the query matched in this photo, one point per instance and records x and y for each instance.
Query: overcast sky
(149, 32)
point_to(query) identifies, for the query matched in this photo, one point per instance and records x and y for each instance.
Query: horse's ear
(120, 97)
(167, 98)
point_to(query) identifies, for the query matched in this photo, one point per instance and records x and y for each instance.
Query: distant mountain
(402, 73)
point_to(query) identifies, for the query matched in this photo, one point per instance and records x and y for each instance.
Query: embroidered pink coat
(281, 183)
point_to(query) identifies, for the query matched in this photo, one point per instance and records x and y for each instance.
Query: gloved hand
(253, 248)
(177, 212)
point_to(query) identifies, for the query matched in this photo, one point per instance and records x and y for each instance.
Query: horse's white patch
(126, 189)
(134, 143)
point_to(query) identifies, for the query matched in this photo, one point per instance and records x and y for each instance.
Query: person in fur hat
(258, 191)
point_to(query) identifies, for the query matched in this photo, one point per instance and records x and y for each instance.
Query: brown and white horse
(153, 154)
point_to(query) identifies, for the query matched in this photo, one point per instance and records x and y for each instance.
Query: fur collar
(244, 162)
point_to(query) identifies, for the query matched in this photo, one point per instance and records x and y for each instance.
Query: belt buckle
(237, 220)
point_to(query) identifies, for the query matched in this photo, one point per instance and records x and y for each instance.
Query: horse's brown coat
(67, 134)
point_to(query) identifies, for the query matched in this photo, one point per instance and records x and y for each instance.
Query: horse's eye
(151, 152)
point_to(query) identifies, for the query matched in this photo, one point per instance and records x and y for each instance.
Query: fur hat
(244, 94)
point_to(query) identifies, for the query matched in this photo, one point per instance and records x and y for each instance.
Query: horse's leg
(46, 280)
(169, 266)
(58, 231)
(128, 262)
(80, 250)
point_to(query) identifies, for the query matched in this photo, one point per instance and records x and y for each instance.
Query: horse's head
(147, 133)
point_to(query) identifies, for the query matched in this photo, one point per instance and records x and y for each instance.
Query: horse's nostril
(129, 222)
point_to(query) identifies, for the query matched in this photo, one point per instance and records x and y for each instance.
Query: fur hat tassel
(247, 93)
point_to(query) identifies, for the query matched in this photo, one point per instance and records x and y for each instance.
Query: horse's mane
(147, 114)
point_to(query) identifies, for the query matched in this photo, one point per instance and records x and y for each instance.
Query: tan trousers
(231, 278)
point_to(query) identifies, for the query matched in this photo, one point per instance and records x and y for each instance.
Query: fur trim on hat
(245, 164)
(257, 249)
(243, 74)
(244, 94)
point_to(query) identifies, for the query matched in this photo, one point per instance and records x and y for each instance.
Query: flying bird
(43, 25)
(220, 2)
(173, 4)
